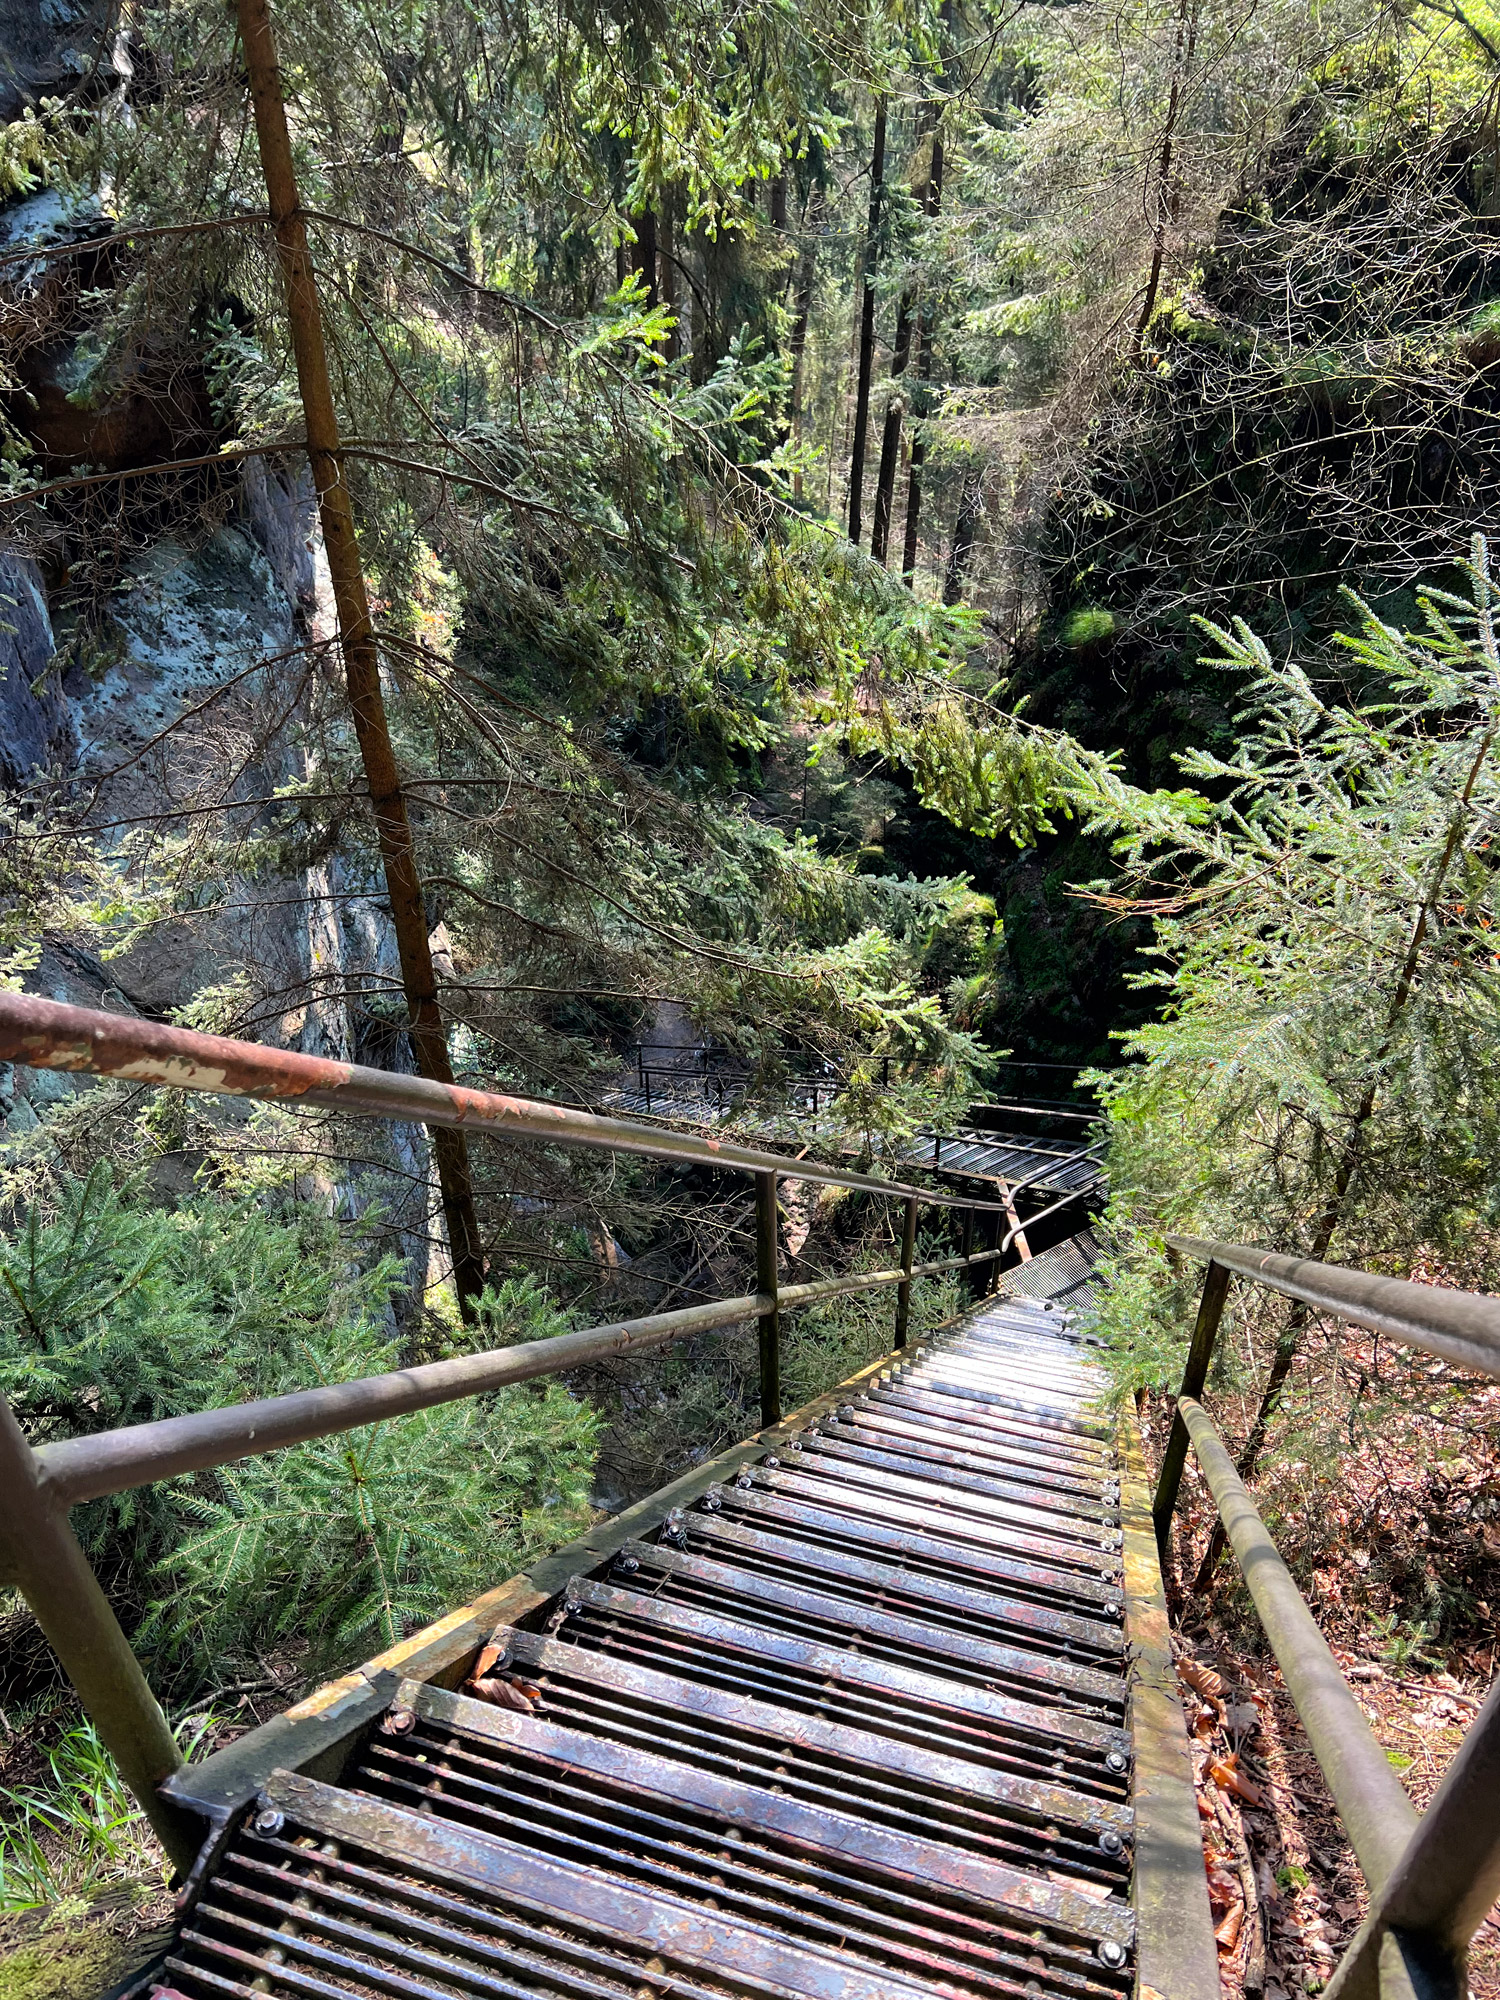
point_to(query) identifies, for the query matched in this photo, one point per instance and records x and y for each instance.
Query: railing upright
(40, 1556)
(903, 1290)
(1194, 1375)
(767, 1282)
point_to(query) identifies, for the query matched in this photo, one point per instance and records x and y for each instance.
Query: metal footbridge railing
(1431, 1879)
(878, 1704)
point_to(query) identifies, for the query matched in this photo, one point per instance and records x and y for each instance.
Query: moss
(1089, 625)
(63, 1961)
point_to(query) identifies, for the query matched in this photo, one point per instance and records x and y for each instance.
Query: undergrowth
(77, 1827)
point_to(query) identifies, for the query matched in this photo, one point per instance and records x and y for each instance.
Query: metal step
(851, 1726)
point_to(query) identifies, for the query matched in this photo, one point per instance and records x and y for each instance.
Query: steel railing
(39, 1553)
(809, 1080)
(1431, 1879)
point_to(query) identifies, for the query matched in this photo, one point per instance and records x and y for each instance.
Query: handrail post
(40, 1555)
(1378, 1817)
(989, 1240)
(1200, 1353)
(903, 1290)
(767, 1281)
(966, 1249)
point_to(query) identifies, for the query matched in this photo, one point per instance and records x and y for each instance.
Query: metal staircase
(854, 1722)
(879, 1702)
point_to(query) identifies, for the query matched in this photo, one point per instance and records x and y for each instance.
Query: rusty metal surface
(1065, 1517)
(910, 1701)
(920, 1556)
(854, 1719)
(967, 1535)
(939, 1600)
(762, 1601)
(48, 1035)
(461, 1747)
(766, 1743)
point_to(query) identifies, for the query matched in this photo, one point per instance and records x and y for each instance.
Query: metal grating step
(851, 1726)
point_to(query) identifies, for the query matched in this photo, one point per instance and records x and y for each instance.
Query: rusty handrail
(1462, 1327)
(39, 1553)
(1432, 1879)
(85, 1468)
(48, 1035)
(1376, 1812)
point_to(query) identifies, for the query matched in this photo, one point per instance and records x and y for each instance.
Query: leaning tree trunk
(932, 201)
(867, 327)
(357, 640)
(1162, 198)
(890, 437)
(965, 530)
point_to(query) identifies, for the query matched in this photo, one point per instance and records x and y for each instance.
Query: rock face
(168, 724)
(49, 47)
(37, 733)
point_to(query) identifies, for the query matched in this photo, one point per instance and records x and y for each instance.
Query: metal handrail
(39, 1552)
(1431, 1879)
(1463, 1327)
(47, 1035)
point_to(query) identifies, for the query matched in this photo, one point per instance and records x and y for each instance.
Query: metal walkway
(1012, 1159)
(1045, 1167)
(850, 1724)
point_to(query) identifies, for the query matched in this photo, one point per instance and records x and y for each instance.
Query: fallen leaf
(500, 1694)
(1097, 1892)
(1228, 1933)
(488, 1654)
(1223, 1889)
(1203, 1680)
(1228, 1779)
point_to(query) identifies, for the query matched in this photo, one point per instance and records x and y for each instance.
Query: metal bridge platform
(877, 1705)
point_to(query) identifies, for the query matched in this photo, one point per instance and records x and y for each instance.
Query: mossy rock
(75, 1950)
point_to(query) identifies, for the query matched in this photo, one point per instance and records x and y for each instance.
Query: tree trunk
(1164, 202)
(932, 201)
(778, 202)
(895, 409)
(357, 639)
(645, 252)
(666, 244)
(806, 267)
(890, 437)
(965, 530)
(867, 327)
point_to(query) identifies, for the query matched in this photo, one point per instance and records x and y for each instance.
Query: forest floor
(1381, 1492)
(1285, 1888)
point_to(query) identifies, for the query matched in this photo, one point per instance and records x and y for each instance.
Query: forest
(895, 542)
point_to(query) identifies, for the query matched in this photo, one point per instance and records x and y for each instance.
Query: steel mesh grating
(853, 1727)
